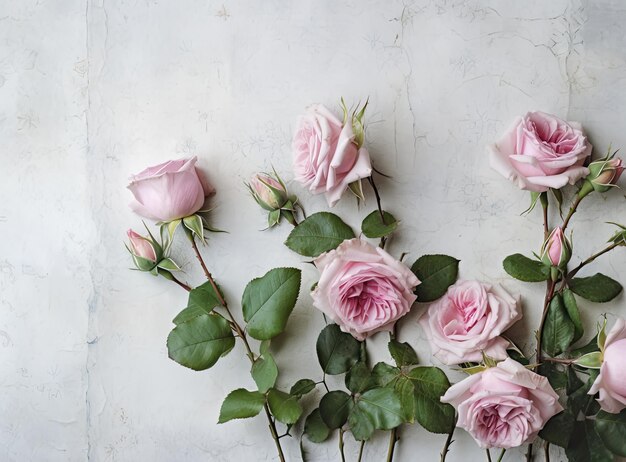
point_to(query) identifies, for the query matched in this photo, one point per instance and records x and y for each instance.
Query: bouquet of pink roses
(509, 398)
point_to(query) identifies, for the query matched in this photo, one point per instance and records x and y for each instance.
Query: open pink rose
(611, 383)
(468, 321)
(541, 151)
(363, 288)
(326, 157)
(504, 406)
(168, 191)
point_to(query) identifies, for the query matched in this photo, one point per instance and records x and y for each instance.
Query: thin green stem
(383, 240)
(546, 305)
(393, 439)
(361, 451)
(446, 446)
(242, 335)
(488, 455)
(544, 206)
(343, 456)
(501, 455)
(573, 273)
(546, 452)
(572, 211)
(529, 453)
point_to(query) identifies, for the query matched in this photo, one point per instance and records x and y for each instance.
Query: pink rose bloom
(326, 157)
(168, 191)
(362, 288)
(541, 151)
(504, 406)
(556, 250)
(141, 247)
(611, 383)
(468, 321)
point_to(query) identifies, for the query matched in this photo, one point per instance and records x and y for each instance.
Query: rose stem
(546, 305)
(572, 211)
(181, 284)
(544, 206)
(361, 451)
(488, 454)
(393, 434)
(546, 452)
(590, 259)
(242, 335)
(559, 360)
(529, 453)
(343, 457)
(446, 446)
(383, 239)
(501, 455)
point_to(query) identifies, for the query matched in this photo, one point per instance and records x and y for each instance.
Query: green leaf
(402, 353)
(591, 346)
(573, 381)
(379, 408)
(430, 385)
(384, 374)
(337, 351)
(269, 300)
(558, 330)
(283, 406)
(200, 342)
(558, 429)
(315, 428)
(406, 392)
(264, 372)
(612, 430)
(302, 387)
(586, 446)
(572, 311)
(591, 360)
(319, 233)
(436, 273)
(579, 399)
(556, 376)
(202, 300)
(359, 378)
(525, 269)
(194, 224)
(374, 227)
(597, 288)
(241, 404)
(335, 407)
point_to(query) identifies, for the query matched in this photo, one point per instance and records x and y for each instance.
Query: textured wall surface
(93, 90)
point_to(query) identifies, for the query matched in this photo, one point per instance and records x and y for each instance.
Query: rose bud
(556, 250)
(269, 193)
(504, 406)
(611, 383)
(169, 191)
(541, 151)
(604, 173)
(148, 254)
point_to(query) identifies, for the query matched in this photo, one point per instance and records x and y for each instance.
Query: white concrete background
(93, 90)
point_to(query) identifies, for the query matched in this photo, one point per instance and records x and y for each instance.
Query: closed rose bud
(145, 251)
(605, 173)
(268, 192)
(557, 250)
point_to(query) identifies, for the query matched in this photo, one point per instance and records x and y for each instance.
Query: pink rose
(468, 321)
(168, 191)
(504, 406)
(141, 246)
(268, 192)
(541, 151)
(556, 250)
(605, 173)
(326, 156)
(363, 288)
(611, 383)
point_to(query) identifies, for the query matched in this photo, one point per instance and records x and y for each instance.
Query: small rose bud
(557, 250)
(145, 251)
(270, 193)
(604, 173)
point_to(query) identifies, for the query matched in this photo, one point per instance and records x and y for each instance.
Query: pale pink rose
(362, 288)
(140, 246)
(468, 320)
(326, 157)
(504, 406)
(168, 191)
(541, 151)
(611, 383)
